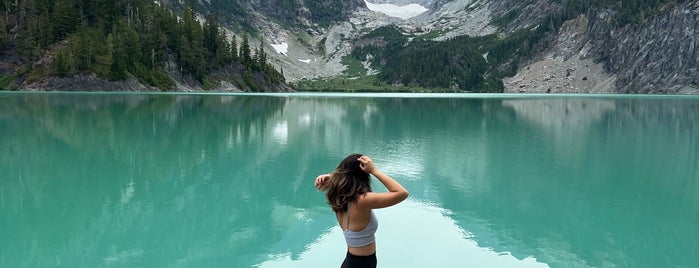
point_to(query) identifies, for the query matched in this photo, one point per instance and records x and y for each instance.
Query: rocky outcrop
(522, 13)
(227, 82)
(569, 66)
(458, 18)
(88, 83)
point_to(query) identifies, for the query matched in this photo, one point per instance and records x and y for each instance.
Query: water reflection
(425, 236)
(187, 180)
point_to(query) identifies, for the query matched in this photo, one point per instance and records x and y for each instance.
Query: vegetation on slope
(463, 63)
(119, 39)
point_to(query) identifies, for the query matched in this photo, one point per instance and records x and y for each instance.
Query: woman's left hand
(366, 164)
(321, 179)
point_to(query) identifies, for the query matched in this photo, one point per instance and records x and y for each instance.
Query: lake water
(149, 180)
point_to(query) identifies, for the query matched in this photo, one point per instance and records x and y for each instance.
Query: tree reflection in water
(209, 180)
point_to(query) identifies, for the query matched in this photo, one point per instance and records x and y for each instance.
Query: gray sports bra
(363, 237)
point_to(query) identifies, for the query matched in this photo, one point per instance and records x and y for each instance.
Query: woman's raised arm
(396, 192)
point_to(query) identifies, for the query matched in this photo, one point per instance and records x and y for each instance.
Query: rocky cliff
(658, 55)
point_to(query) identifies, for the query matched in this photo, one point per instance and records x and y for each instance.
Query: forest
(129, 38)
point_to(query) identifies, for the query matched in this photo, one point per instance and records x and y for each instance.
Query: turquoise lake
(199, 180)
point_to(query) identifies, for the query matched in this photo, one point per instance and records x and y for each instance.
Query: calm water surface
(119, 180)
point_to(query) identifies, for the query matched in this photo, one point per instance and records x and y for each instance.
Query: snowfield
(282, 48)
(403, 12)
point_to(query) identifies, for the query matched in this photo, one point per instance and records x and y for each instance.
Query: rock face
(567, 67)
(291, 12)
(592, 54)
(657, 56)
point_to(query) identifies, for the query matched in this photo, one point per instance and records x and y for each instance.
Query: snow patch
(282, 48)
(305, 61)
(391, 10)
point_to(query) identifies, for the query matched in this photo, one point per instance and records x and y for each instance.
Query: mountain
(557, 46)
(528, 46)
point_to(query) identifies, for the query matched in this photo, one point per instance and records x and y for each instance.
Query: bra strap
(348, 214)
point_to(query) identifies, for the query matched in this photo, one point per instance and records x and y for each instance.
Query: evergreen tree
(245, 51)
(210, 35)
(222, 54)
(84, 45)
(27, 29)
(192, 49)
(4, 36)
(261, 57)
(117, 67)
(62, 63)
(64, 19)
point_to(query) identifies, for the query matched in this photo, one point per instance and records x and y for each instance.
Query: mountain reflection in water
(150, 180)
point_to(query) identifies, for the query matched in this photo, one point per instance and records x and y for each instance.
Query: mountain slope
(609, 48)
(125, 45)
(584, 46)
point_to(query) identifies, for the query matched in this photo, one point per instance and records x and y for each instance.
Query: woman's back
(349, 194)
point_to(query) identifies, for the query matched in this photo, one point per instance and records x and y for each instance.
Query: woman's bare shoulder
(373, 200)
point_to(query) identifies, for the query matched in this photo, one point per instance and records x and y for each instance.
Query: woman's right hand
(321, 180)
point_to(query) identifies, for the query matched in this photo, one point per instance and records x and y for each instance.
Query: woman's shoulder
(365, 200)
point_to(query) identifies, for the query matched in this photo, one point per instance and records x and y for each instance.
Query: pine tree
(261, 57)
(84, 45)
(245, 51)
(210, 34)
(222, 54)
(4, 37)
(62, 63)
(64, 18)
(192, 50)
(117, 68)
(27, 41)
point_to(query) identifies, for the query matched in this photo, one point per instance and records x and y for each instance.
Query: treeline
(130, 38)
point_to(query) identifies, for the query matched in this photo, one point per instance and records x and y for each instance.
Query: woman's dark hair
(347, 182)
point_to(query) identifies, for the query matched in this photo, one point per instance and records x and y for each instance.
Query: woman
(348, 192)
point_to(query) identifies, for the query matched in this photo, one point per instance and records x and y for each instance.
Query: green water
(126, 180)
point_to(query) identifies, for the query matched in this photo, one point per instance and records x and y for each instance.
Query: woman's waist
(367, 250)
